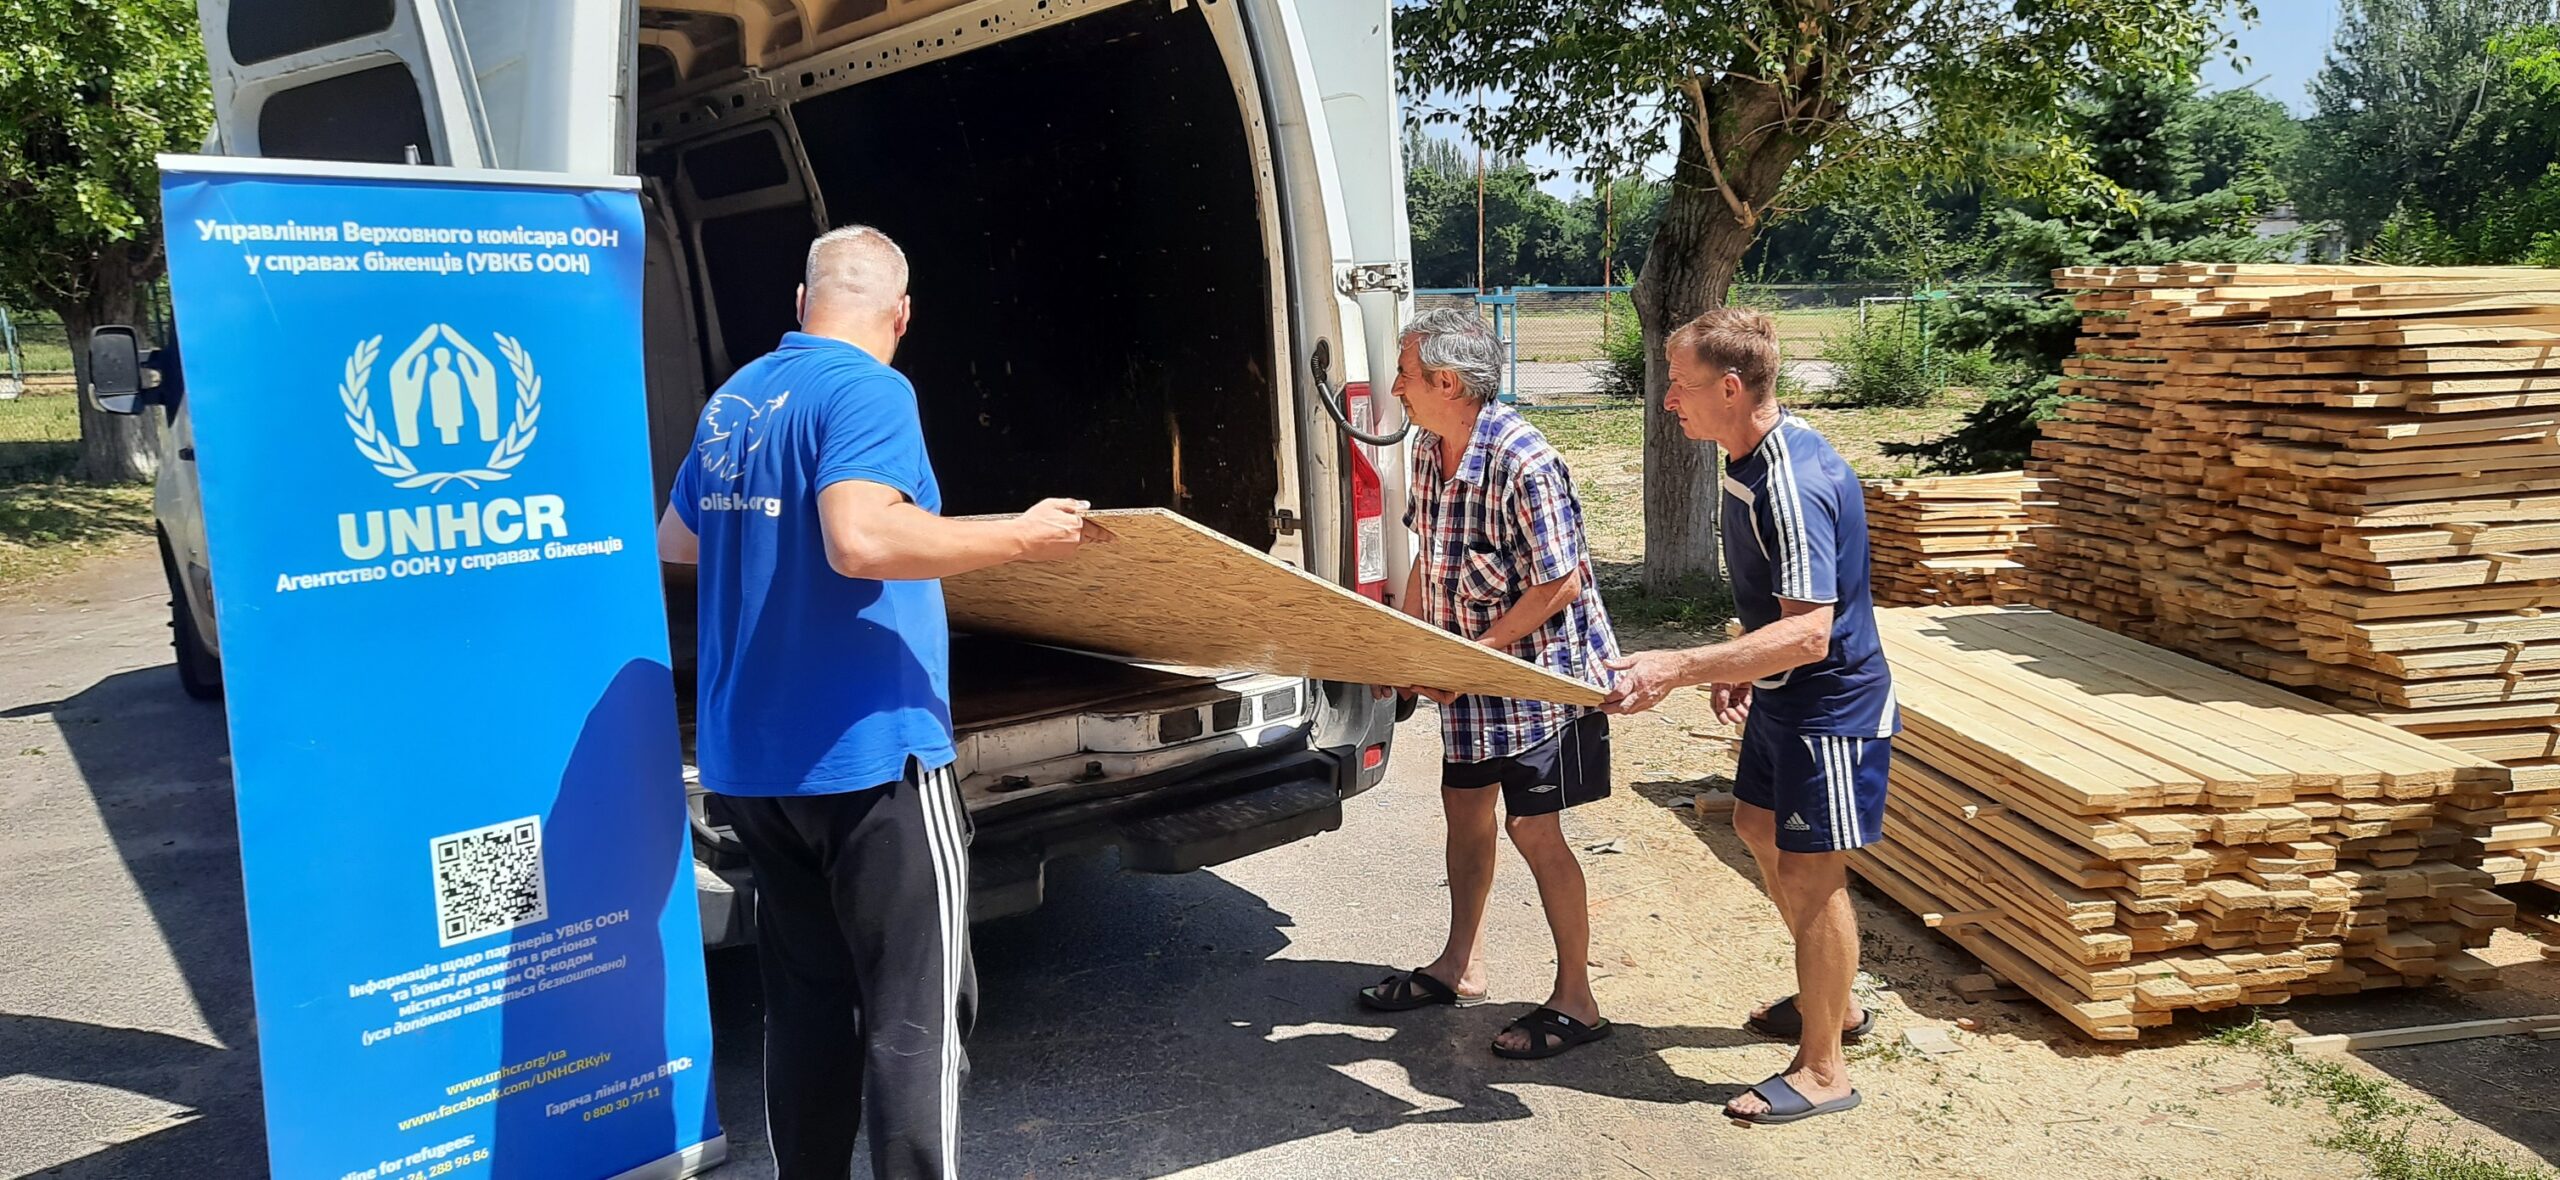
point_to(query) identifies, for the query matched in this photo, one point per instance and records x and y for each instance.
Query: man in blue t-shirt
(823, 713)
(1807, 681)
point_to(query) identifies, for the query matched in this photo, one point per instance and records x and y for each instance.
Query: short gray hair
(1457, 341)
(858, 268)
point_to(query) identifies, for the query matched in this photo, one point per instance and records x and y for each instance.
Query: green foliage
(1697, 605)
(2391, 1134)
(1921, 241)
(2253, 1033)
(90, 90)
(1530, 236)
(2163, 146)
(1898, 356)
(2396, 1138)
(2433, 111)
(1885, 361)
(1955, 89)
(1622, 350)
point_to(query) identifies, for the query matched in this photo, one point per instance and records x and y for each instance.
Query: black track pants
(862, 928)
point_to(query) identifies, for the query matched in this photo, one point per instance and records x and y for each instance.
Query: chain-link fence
(1571, 324)
(39, 398)
(39, 406)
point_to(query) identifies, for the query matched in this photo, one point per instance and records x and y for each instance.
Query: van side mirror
(124, 376)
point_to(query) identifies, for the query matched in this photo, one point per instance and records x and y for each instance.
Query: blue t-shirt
(1795, 527)
(811, 683)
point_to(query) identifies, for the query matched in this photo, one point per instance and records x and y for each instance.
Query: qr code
(489, 879)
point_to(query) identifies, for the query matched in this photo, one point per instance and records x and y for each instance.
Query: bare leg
(1758, 827)
(1567, 901)
(1471, 853)
(1816, 885)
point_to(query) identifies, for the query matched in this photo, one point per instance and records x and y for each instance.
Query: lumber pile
(1948, 540)
(2341, 479)
(2125, 833)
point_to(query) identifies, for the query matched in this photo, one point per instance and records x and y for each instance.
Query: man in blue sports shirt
(1807, 680)
(823, 714)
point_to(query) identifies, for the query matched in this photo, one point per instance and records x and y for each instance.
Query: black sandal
(1783, 1022)
(1405, 991)
(1550, 1032)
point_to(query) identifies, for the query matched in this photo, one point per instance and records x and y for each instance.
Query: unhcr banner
(418, 430)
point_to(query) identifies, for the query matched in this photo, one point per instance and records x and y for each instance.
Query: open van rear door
(374, 81)
(1328, 82)
(468, 83)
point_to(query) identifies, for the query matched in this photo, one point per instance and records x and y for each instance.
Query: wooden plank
(1171, 591)
(2424, 1034)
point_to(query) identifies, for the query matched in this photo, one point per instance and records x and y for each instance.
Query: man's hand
(1733, 702)
(1644, 678)
(1054, 529)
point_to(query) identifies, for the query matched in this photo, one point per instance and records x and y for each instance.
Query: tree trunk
(114, 448)
(1697, 250)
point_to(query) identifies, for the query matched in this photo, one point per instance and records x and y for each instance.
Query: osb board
(1168, 590)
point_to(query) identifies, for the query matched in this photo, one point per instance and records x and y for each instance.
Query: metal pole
(1608, 246)
(1480, 287)
(1514, 336)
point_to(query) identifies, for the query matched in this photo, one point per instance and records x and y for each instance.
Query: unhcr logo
(448, 380)
(445, 404)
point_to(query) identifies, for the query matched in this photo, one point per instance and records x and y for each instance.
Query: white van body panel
(555, 87)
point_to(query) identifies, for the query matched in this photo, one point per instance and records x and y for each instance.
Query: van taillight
(1368, 498)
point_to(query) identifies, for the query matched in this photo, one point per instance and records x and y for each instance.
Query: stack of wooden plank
(2341, 479)
(2126, 833)
(1947, 540)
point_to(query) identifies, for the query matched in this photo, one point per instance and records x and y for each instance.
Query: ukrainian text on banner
(418, 416)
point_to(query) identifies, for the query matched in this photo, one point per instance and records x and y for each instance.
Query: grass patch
(2254, 1033)
(51, 526)
(1574, 334)
(1698, 604)
(1578, 428)
(2397, 1139)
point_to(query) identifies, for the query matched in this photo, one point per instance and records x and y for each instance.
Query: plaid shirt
(1505, 521)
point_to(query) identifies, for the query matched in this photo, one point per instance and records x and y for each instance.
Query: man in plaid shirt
(1502, 563)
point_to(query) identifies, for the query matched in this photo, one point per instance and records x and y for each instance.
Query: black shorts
(1566, 770)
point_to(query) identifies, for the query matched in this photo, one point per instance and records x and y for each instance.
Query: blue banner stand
(420, 433)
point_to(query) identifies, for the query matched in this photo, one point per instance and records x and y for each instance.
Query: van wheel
(199, 670)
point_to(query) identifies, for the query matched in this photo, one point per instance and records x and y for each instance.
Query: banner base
(692, 1161)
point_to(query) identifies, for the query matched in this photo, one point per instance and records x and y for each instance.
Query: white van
(1158, 249)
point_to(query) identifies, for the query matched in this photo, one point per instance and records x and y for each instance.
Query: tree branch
(1742, 210)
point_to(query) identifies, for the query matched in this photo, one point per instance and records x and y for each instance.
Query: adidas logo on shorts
(1795, 823)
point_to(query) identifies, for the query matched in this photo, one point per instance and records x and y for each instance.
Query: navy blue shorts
(1826, 791)
(1568, 769)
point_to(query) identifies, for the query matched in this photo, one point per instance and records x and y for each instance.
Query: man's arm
(1411, 601)
(1411, 604)
(676, 543)
(874, 532)
(1800, 636)
(1537, 604)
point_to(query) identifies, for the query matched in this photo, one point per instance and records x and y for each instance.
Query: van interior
(1092, 297)
(1093, 308)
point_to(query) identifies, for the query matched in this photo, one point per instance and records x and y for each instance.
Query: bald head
(855, 273)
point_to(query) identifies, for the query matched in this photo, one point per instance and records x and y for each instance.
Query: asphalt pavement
(1134, 1026)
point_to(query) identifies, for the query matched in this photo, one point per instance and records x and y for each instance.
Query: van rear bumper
(1198, 821)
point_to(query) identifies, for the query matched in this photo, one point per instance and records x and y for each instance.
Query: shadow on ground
(155, 766)
(2510, 1085)
(1136, 1026)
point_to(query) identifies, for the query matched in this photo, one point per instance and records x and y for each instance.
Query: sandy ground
(1199, 1025)
(1193, 1025)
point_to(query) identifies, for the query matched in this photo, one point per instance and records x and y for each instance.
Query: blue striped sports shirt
(1795, 527)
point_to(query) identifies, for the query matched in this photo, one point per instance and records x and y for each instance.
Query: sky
(2284, 49)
